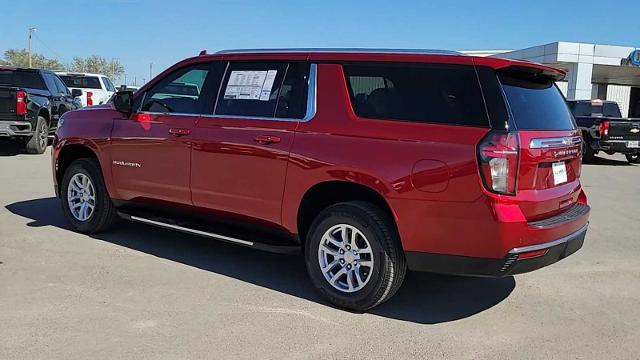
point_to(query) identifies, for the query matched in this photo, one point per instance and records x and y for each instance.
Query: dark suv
(369, 162)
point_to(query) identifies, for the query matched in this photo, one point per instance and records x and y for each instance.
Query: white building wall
(564, 87)
(621, 95)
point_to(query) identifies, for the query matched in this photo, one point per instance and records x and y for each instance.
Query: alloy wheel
(346, 258)
(81, 197)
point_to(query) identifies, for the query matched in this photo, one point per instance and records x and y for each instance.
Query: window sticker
(250, 85)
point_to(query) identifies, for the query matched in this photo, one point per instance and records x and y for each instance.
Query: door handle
(179, 131)
(267, 139)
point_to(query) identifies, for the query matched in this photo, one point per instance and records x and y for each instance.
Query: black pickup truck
(604, 129)
(31, 102)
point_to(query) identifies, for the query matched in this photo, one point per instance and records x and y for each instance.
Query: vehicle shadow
(9, 148)
(607, 161)
(424, 298)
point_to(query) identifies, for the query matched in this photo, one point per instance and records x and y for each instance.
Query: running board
(280, 249)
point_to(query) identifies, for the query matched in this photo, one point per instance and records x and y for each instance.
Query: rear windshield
(587, 108)
(536, 105)
(430, 93)
(87, 82)
(22, 79)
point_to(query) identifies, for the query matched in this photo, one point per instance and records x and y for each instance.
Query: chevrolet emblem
(634, 130)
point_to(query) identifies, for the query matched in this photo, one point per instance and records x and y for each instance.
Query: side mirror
(76, 92)
(123, 101)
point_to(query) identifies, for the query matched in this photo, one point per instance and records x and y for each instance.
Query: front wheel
(84, 196)
(633, 158)
(353, 255)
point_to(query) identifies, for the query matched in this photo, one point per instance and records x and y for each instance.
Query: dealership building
(594, 71)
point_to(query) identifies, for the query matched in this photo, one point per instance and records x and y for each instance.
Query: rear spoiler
(533, 72)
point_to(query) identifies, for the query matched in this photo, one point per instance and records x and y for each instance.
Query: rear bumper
(15, 128)
(618, 146)
(517, 261)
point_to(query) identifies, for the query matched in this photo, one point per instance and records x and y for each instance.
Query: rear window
(536, 104)
(86, 82)
(22, 78)
(430, 93)
(587, 108)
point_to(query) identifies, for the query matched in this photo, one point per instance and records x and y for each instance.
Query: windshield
(536, 105)
(22, 79)
(86, 82)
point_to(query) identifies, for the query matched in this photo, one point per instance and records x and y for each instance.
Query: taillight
(604, 128)
(21, 103)
(89, 98)
(498, 156)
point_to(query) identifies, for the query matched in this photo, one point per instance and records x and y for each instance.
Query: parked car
(604, 129)
(96, 89)
(31, 101)
(369, 162)
(128, 87)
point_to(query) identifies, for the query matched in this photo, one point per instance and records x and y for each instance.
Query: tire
(38, 142)
(373, 284)
(633, 158)
(103, 215)
(589, 154)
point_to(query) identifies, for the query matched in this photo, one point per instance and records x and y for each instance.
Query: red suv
(370, 162)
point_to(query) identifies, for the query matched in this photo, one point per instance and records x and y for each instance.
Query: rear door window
(429, 93)
(108, 85)
(251, 89)
(536, 104)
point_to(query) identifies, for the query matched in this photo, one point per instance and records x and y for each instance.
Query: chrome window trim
(312, 100)
(555, 142)
(340, 50)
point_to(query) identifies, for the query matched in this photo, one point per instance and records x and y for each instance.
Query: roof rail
(341, 50)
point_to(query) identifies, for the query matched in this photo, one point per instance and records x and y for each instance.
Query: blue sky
(138, 32)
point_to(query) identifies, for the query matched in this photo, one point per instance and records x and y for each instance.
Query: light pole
(31, 30)
(113, 68)
(150, 70)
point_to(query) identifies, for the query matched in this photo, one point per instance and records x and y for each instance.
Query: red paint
(428, 174)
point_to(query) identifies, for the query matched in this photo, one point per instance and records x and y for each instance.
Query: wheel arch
(324, 194)
(68, 154)
(44, 112)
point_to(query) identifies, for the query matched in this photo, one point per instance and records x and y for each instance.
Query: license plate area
(559, 172)
(633, 144)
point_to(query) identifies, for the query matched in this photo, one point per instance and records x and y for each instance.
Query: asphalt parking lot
(145, 293)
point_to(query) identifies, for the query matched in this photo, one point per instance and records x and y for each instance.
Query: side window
(62, 88)
(432, 93)
(179, 92)
(108, 85)
(251, 89)
(51, 84)
(292, 99)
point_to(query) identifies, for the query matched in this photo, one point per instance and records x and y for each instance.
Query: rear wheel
(588, 154)
(633, 158)
(85, 200)
(353, 255)
(37, 144)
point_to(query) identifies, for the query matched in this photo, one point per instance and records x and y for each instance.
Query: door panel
(150, 162)
(235, 170)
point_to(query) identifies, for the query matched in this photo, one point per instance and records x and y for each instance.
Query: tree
(97, 64)
(20, 57)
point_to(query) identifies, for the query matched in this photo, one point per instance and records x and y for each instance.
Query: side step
(188, 229)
